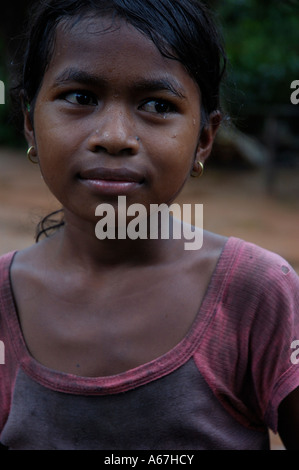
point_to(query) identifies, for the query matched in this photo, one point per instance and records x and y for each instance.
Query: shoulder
(6, 259)
(245, 274)
(5, 264)
(250, 251)
(255, 319)
(20, 271)
(261, 296)
(25, 256)
(252, 264)
(31, 260)
(258, 292)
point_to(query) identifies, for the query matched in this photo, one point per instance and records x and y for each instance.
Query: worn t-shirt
(219, 388)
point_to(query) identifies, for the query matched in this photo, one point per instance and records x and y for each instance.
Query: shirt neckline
(158, 367)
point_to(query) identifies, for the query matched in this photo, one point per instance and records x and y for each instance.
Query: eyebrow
(80, 76)
(161, 84)
(168, 83)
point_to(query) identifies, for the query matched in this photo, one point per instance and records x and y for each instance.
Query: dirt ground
(235, 203)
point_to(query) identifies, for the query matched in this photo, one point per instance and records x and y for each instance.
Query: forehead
(115, 49)
(106, 37)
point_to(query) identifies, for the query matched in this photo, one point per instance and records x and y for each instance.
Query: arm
(288, 420)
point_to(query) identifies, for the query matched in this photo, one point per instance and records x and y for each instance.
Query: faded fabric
(219, 388)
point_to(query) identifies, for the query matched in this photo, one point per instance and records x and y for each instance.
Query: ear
(28, 125)
(207, 137)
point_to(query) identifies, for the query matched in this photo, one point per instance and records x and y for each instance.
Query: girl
(137, 344)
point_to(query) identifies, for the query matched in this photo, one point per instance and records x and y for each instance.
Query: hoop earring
(35, 162)
(197, 174)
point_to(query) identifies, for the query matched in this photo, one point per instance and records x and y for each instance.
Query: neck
(78, 244)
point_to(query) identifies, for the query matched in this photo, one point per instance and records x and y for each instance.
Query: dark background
(250, 188)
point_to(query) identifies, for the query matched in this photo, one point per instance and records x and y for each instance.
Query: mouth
(111, 180)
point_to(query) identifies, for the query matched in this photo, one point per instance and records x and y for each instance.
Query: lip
(112, 174)
(111, 180)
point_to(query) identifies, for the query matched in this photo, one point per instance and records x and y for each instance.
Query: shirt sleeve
(272, 311)
(274, 334)
(247, 351)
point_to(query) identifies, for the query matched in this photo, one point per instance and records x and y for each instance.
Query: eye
(83, 98)
(158, 107)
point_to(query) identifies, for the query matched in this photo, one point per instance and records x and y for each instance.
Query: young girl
(137, 343)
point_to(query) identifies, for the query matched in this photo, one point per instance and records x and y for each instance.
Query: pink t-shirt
(219, 388)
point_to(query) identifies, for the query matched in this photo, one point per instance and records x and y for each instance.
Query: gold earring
(196, 174)
(31, 149)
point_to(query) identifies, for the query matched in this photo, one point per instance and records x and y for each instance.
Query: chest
(108, 326)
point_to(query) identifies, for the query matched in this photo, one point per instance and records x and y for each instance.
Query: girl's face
(114, 117)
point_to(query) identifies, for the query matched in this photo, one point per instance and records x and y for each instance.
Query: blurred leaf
(262, 41)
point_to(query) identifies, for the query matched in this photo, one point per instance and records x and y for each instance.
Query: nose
(114, 133)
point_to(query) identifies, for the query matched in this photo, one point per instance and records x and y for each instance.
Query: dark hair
(183, 30)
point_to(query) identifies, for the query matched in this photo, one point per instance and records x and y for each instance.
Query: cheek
(172, 161)
(175, 154)
(54, 145)
(53, 150)
(54, 130)
(52, 163)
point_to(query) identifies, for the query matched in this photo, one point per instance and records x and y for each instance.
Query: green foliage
(262, 40)
(8, 133)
